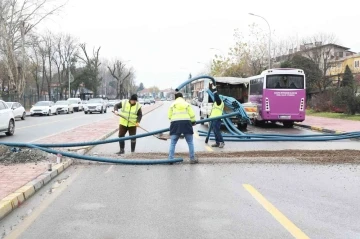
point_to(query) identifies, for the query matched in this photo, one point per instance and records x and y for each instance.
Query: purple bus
(279, 95)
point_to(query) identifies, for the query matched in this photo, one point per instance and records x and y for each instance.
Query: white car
(7, 119)
(76, 103)
(18, 110)
(95, 105)
(63, 106)
(43, 108)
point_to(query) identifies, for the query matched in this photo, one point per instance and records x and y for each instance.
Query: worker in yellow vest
(217, 110)
(131, 115)
(182, 117)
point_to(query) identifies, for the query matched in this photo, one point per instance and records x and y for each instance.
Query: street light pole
(252, 14)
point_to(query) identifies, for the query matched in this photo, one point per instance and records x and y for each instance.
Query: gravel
(281, 156)
(14, 155)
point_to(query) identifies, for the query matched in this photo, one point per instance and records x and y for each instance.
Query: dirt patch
(306, 156)
(14, 155)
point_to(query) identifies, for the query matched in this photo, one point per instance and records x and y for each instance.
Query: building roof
(231, 80)
(144, 91)
(348, 57)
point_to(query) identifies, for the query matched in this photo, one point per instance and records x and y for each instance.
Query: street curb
(319, 129)
(15, 199)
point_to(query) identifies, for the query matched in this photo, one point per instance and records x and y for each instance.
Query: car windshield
(9, 104)
(73, 101)
(95, 101)
(42, 103)
(61, 103)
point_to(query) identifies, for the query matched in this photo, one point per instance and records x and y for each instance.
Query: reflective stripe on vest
(217, 110)
(129, 112)
(180, 114)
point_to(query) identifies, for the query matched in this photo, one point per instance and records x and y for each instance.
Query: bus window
(256, 86)
(285, 82)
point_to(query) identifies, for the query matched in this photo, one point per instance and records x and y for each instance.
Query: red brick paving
(15, 176)
(332, 124)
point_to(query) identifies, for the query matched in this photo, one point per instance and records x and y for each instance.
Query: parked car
(76, 103)
(141, 101)
(7, 119)
(113, 102)
(95, 105)
(63, 106)
(107, 103)
(18, 110)
(147, 101)
(163, 99)
(43, 108)
(152, 100)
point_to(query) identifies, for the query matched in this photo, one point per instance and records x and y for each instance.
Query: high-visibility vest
(129, 112)
(217, 110)
(181, 110)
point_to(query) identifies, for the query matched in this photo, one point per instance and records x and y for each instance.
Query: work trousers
(122, 132)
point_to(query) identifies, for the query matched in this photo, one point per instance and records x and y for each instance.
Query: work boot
(133, 144)
(194, 161)
(122, 151)
(215, 145)
(221, 145)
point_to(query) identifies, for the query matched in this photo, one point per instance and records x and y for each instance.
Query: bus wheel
(288, 124)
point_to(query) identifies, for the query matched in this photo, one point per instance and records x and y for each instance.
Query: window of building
(357, 64)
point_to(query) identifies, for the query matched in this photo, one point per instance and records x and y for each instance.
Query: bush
(322, 102)
(345, 98)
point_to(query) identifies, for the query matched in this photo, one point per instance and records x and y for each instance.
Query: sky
(166, 40)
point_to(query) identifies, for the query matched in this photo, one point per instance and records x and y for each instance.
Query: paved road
(194, 201)
(158, 120)
(37, 127)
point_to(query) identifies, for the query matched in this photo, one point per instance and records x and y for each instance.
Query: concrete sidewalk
(328, 125)
(18, 182)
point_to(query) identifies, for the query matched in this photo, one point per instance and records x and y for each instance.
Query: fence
(28, 100)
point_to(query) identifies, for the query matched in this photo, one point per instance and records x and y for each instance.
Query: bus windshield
(285, 82)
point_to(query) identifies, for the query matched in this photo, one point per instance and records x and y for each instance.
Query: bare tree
(18, 18)
(321, 50)
(247, 57)
(66, 48)
(124, 78)
(92, 64)
(35, 60)
(50, 52)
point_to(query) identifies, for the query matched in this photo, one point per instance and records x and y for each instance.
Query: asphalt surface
(193, 201)
(158, 120)
(37, 127)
